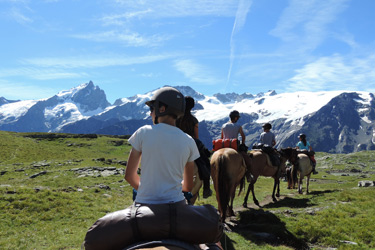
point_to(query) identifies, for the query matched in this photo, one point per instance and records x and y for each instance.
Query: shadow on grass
(290, 202)
(264, 228)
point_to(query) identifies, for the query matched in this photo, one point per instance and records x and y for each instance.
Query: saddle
(270, 151)
(150, 222)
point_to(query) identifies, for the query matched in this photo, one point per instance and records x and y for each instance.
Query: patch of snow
(291, 106)
(16, 109)
(366, 98)
(366, 119)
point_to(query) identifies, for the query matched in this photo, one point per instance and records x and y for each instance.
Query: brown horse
(302, 168)
(228, 170)
(262, 166)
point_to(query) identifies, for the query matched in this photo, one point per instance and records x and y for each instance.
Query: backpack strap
(133, 222)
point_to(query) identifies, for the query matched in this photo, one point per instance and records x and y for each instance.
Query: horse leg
(246, 196)
(307, 184)
(273, 192)
(256, 202)
(300, 185)
(278, 188)
(251, 187)
(233, 194)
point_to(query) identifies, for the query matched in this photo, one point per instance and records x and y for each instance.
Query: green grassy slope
(55, 209)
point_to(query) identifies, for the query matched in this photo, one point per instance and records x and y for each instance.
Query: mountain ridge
(335, 121)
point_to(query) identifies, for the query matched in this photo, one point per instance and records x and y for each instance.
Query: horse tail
(222, 184)
(242, 181)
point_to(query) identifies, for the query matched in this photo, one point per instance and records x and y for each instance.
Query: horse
(228, 170)
(262, 166)
(303, 167)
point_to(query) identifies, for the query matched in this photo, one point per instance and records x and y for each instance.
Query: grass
(54, 210)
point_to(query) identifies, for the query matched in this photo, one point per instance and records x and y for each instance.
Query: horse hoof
(278, 195)
(256, 203)
(244, 205)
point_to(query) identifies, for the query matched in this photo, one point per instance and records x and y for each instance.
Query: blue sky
(215, 46)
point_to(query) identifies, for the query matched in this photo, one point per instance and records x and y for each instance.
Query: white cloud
(304, 23)
(181, 8)
(335, 73)
(127, 38)
(195, 72)
(19, 17)
(40, 74)
(93, 62)
(19, 90)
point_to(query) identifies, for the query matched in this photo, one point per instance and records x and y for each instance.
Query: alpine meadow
(55, 186)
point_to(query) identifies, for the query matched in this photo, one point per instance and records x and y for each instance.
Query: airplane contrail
(239, 22)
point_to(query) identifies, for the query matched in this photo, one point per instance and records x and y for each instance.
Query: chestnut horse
(302, 168)
(228, 170)
(262, 166)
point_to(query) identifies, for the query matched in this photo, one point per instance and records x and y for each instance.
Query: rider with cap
(267, 137)
(303, 144)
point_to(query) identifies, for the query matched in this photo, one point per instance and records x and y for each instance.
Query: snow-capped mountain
(334, 121)
(49, 115)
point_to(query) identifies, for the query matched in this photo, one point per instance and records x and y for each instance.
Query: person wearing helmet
(267, 137)
(231, 129)
(189, 124)
(303, 144)
(167, 153)
(167, 156)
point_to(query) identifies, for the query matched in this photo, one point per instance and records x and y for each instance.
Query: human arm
(242, 135)
(187, 182)
(131, 175)
(196, 130)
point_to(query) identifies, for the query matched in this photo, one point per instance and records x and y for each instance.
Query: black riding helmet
(267, 126)
(171, 98)
(302, 136)
(234, 114)
(190, 103)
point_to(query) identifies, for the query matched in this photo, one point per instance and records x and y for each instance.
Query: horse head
(289, 154)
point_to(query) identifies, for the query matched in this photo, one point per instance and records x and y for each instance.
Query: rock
(38, 174)
(365, 183)
(102, 186)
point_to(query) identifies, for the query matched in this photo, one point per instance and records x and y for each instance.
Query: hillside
(53, 188)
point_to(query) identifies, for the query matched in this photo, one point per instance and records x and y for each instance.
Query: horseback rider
(267, 143)
(167, 154)
(231, 129)
(304, 145)
(189, 124)
(267, 137)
